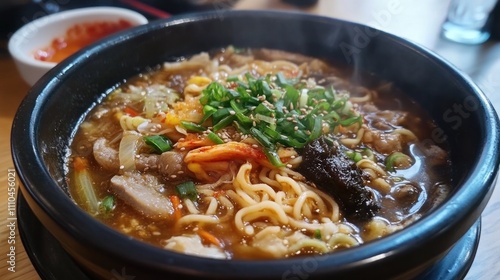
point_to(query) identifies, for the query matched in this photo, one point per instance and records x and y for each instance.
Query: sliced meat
(172, 163)
(384, 143)
(168, 163)
(143, 193)
(106, 156)
(435, 154)
(384, 119)
(331, 171)
(145, 162)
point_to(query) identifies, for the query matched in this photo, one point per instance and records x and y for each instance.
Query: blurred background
(16, 13)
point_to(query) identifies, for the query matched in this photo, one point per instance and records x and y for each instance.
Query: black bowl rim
(62, 210)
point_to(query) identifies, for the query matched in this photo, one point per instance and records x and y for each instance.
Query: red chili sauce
(77, 37)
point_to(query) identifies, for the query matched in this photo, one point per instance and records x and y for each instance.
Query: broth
(256, 154)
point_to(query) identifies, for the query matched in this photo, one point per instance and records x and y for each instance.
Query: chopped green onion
(107, 204)
(316, 131)
(215, 138)
(232, 79)
(187, 190)
(317, 234)
(193, 126)
(367, 153)
(239, 113)
(221, 114)
(273, 134)
(266, 90)
(214, 91)
(273, 157)
(396, 159)
(263, 110)
(266, 119)
(304, 97)
(208, 111)
(291, 96)
(281, 80)
(354, 156)
(275, 110)
(261, 137)
(352, 120)
(224, 122)
(159, 143)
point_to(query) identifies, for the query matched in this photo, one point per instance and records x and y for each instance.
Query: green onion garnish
(107, 204)
(395, 159)
(159, 143)
(187, 190)
(317, 234)
(193, 126)
(215, 138)
(274, 110)
(354, 156)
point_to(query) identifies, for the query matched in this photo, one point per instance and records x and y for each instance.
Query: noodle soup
(256, 154)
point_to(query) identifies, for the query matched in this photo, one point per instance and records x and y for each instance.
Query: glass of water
(467, 21)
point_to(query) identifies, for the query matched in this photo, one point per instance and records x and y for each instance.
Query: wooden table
(402, 18)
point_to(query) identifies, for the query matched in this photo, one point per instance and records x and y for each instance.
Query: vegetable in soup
(255, 154)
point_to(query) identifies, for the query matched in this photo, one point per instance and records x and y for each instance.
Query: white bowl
(41, 32)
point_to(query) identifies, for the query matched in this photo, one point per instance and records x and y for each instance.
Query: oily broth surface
(433, 183)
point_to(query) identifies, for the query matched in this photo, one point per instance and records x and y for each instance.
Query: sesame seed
(249, 230)
(295, 128)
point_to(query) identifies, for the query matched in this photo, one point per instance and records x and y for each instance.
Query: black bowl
(47, 118)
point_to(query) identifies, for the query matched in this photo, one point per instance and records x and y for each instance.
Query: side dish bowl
(48, 117)
(40, 32)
